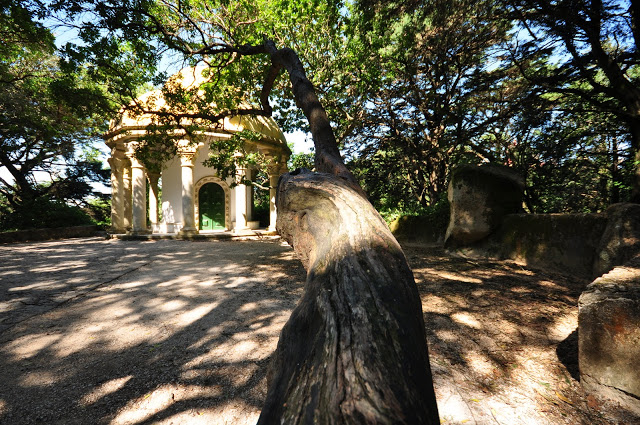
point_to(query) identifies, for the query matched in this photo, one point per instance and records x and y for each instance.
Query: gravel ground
(96, 331)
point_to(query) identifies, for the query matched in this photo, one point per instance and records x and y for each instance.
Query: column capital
(187, 159)
(241, 174)
(115, 163)
(277, 169)
(135, 163)
(273, 170)
(153, 177)
(187, 152)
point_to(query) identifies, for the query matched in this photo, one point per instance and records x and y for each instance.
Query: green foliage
(99, 210)
(261, 207)
(428, 225)
(575, 167)
(592, 78)
(432, 102)
(428, 93)
(227, 155)
(412, 88)
(302, 160)
(42, 212)
(48, 121)
(436, 215)
(19, 28)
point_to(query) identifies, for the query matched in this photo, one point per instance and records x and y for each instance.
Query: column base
(243, 231)
(188, 231)
(139, 232)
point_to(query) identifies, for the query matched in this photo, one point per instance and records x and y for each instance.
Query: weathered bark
(635, 144)
(354, 350)
(327, 154)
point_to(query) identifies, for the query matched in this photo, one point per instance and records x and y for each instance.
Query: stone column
(251, 192)
(126, 184)
(139, 198)
(241, 201)
(153, 200)
(274, 175)
(187, 157)
(117, 195)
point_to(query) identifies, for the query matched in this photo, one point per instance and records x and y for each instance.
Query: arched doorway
(211, 207)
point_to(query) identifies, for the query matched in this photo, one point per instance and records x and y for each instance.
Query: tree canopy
(411, 88)
(590, 58)
(48, 121)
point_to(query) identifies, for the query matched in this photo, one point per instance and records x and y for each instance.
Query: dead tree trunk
(354, 350)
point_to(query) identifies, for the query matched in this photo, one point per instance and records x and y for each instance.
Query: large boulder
(609, 335)
(480, 197)
(621, 238)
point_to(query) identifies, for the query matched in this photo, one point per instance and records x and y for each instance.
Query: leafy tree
(301, 160)
(18, 28)
(466, 97)
(432, 88)
(572, 162)
(593, 54)
(573, 158)
(45, 116)
(354, 349)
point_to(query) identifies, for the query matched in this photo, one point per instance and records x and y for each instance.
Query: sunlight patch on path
(104, 389)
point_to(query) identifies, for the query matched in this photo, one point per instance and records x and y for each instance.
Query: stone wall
(428, 228)
(621, 238)
(586, 245)
(564, 242)
(482, 223)
(417, 229)
(47, 234)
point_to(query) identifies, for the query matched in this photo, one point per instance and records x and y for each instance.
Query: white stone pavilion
(194, 198)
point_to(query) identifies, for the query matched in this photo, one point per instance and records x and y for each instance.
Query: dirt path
(503, 343)
(173, 332)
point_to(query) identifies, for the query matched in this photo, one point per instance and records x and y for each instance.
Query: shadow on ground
(176, 332)
(503, 342)
(140, 332)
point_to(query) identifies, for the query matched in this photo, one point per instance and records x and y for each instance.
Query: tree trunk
(614, 197)
(635, 144)
(354, 349)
